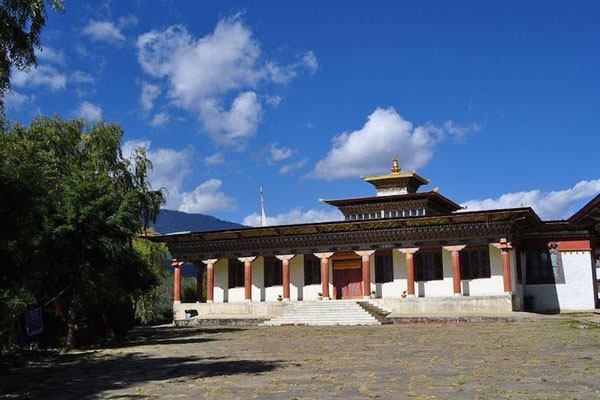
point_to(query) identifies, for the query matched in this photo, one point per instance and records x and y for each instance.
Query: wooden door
(347, 279)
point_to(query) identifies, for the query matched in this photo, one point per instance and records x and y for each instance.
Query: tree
(21, 23)
(74, 207)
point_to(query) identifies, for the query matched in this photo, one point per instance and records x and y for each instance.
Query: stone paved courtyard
(493, 360)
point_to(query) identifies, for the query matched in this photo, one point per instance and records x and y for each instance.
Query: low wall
(501, 303)
(268, 309)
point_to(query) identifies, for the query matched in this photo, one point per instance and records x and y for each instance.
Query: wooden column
(505, 247)
(366, 271)
(324, 273)
(210, 279)
(455, 267)
(410, 270)
(176, 281)
(285, 266)
(247, 276)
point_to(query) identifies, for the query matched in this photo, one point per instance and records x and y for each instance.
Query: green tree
(21, 23)
(74, 207)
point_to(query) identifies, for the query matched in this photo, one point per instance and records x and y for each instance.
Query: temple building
(403, 250)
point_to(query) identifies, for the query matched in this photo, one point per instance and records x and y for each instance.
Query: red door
(347, 281)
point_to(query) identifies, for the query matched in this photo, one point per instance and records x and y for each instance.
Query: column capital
(409, 250)
(176, 264)
(454, 248)
(285, 257)
(210, 262)
(323, 255)
(247, 259)
(365, 253)
(503, 245)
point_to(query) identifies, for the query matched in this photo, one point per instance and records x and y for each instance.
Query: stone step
(327, 313)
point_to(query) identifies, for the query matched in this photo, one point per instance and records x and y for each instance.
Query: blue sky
(497, 102)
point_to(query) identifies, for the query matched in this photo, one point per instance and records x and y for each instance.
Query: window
(273, 271)
(384, 266)
(428, 265)
(475, 263)
(312, 269)
(538, 269)
(236, 273)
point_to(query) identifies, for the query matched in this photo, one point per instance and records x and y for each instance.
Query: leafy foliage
(72, 207)
(21, 23)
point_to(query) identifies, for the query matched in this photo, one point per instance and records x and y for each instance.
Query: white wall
(577, 293)
(221, 275)
(395, 288)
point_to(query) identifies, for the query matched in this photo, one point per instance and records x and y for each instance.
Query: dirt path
(520, 360)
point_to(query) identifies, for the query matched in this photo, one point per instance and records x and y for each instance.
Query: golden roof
(396, 173)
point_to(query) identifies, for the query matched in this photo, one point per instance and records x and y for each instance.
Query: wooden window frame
(437, 263)
(273, 271)
(384, 266)
(475, 263)
(312, 270)
(235, 277)
(538, 267)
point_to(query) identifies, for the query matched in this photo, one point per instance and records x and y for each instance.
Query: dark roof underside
(435, 196)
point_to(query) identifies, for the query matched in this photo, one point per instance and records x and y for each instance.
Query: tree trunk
(72, 318)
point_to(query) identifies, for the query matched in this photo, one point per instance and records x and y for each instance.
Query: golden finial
(395, 168)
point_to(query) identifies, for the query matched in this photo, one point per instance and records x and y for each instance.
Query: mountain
(170, 221)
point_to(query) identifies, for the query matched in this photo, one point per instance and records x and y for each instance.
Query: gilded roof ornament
(395, 168)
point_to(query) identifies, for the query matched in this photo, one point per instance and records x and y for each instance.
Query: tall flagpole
(263, 215)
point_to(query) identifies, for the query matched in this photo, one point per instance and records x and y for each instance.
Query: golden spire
(395, 168)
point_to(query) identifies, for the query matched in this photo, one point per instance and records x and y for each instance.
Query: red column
(506, 270)
(366, 271)
(247, 276)
(199, 279)
(455, 267)
(285, 272)
(210, 279)
(325, 276)
(505, 247)
(176, 281)
(210, 283)
(410, 270)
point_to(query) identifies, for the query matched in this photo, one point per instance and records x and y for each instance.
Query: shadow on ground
(148, 336)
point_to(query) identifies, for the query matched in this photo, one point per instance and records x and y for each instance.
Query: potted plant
(279, 297)
(373, 295)
(319, 296)
(404, 294)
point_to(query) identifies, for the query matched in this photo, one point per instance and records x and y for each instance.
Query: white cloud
(293, 166)
(279, 154)
(296, 216)
(273, 100)
(214, 159)
(50, 55)
(207, 198)
(16, 101)
(103, 31)
(204, 74)
(160, 119)
(130, 20)
(89, 111)
(170, 169)
(231, 127)
(149, 93)
(42, 75)
(81, 77)
(370, 149)
(549, 205)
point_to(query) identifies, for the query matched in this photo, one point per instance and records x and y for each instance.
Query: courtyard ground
(558, 358)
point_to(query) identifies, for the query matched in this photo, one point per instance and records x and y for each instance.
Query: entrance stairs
(332, 312)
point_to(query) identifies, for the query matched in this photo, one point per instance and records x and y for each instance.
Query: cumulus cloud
(50, 55)
(292, 166)
(170, 169)
(370, 149)
(214, 159)
(89, 111)
(149, 93)
(103, 31)
(273, 100)
(81, 77)
(279, 153)
(296, 216)
(14, 101)
(160, 119)
(204, 74)
(549, 205)
(206, 198)
(42, 75)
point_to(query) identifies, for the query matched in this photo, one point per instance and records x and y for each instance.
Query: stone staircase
(333, 312)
